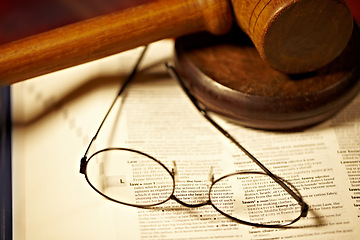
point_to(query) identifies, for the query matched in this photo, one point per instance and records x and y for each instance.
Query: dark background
(21, 18)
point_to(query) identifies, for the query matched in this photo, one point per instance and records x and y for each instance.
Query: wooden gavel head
(292, 36)
(296, 36)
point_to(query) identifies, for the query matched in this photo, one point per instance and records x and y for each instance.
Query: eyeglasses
(134, 178)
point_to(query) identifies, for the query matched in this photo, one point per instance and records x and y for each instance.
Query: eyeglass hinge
(304, 209)
(83, 164)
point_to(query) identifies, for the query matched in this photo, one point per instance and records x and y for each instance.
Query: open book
(56, 115)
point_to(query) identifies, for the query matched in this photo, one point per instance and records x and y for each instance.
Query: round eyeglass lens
(129, 177)
(255, 198)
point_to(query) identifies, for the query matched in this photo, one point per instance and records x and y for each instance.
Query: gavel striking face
(296, 36)
(292, 36)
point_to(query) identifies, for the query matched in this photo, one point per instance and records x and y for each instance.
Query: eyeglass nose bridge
(210, 181)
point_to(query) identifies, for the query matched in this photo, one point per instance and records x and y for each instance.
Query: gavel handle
(106, 35)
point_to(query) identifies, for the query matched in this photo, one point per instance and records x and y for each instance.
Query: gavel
(291, 36)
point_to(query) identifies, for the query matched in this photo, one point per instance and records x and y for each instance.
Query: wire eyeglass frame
(172, 71)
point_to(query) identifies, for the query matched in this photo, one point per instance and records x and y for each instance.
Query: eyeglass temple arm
(122, 88)
(203, 111)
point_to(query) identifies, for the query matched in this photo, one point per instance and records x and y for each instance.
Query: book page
(55, 117)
